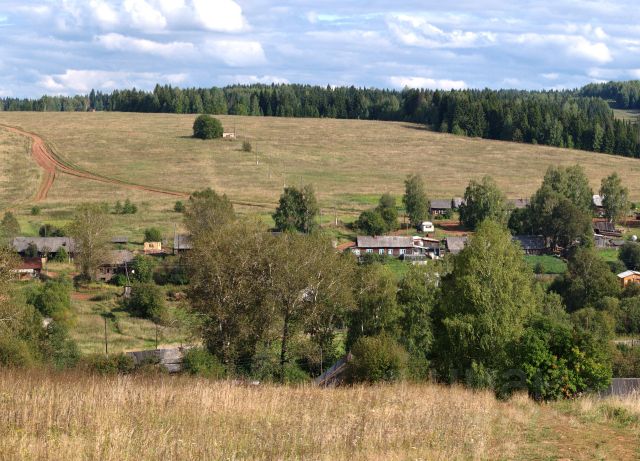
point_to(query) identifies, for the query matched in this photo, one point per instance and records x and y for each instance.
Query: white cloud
(416, 31)
(572, 45)
(219, 15)
(236, 53)
(423, 82)
(82, 81)
(550, 76)
(248, 79)
(143, 15)
(103, 13)
(118, 42)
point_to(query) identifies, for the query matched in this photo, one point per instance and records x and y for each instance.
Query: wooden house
(606, 228)
(45, 247)
(153, 248)
(29, 268)
(385, 245)
(116, 264)
(628, 277)
(531, 244)
(440, 207)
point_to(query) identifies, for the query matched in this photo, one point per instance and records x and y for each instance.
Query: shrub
(61, 256)
(35, 210)
(626, 361)
(31, 251)
(178, 207)
(119, 280)
(113, 364)
(246, 146)
(15, 352)
(52, 299)
(207, 127)
(49, 230)
(629, 254)
(147, 301)
(59, 348)
(378, 358)
(152, 234)
(142, 268)
(198, 361)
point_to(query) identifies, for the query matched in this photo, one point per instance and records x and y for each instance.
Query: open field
(74, 416)
(345, 159)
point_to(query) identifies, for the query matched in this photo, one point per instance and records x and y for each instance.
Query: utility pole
(106, 343)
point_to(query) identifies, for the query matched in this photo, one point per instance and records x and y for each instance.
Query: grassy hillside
(344, 159)
(72, 416)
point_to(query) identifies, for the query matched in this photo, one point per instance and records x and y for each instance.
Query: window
(356, 252)
(381, 251)
(402, 251)
(390, 251)
(369, 250)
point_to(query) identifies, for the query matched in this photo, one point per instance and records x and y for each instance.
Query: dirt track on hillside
(51, 165)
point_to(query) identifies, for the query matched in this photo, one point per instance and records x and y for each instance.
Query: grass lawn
(609, 254)
(550, 264)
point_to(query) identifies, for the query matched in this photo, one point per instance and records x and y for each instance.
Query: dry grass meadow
(76, 416)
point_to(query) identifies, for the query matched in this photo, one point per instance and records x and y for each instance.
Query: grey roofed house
(441, 204)
(119, 257)
(182, 242)
(384, 242)
(44, 244)
(531, 244)
(456, 244)
(519, 203)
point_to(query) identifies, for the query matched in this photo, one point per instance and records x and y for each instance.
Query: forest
(580, 119)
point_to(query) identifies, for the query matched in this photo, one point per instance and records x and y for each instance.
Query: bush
(142, 268)
(61, 256)
(59, 348)
(371, 222)
(52, 299)
(147, 301)
(35, 210)
(378, 358)
(629, 254)
(207, 127)
(119, 280)
(49, 230)
(246, 146)
(198, 361)
(127, 208)
(626, 362)
(152, 234)
(114, 364)
(15, 352)
(31, 251)
(179, 207)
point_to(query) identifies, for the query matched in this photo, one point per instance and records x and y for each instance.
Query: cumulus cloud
(236, 53)
(424, 82)
(417, 31)
(264, 79)
(118, 42)
(571, 45)
(82, 81)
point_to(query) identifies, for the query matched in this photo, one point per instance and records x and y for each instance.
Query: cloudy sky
(71, 46)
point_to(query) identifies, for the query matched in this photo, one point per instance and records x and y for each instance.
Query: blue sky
(71, 46)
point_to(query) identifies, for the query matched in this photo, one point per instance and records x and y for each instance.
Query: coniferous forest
(580, 119)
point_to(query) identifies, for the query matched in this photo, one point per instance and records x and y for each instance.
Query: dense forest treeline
(579, 119)
(623, 95)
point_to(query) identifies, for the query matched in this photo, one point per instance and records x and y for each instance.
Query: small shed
(628, 277)
(440, 207)
(153, 248)
(29, 268)
(182, 243)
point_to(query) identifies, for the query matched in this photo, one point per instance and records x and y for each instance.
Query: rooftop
(384, 241)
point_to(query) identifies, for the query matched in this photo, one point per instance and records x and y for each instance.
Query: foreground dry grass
(75, 416)
(79, 417)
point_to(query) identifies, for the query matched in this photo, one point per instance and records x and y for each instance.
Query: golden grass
(19, 175)
(75, 416)
(345, 159)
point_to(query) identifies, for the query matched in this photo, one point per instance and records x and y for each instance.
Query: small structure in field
(153, 248)
(455, 244)
(440, 207)
(628, 277)
(171, 358)
(116, 264)
(426, 227)
(531, 244)
(229, 134)
(29, 268)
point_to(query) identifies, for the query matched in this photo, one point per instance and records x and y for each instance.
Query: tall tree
(9, 227)
(388, 211)
(297, 210)
(483, 200)
(615, 197)
(415, 199)
(207, 211)
(486, 300)
(90, 229)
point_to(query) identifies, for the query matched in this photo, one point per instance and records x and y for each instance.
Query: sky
(71, 46)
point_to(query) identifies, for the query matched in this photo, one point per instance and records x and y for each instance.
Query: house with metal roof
(116, 263)
(628, 277)
(389, 245)
(45, 246)
(440, 207)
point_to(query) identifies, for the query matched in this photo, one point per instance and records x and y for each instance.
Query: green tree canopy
(370, 222)
(207, 127)
(9, 227)
(629, 254)
(90, 229)
(152, 234)
(207, 211)
(297, 210)
(483, 200)
(415, 199)
(486, 300)
(615, 198)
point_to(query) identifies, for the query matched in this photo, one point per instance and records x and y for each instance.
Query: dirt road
(52, 164)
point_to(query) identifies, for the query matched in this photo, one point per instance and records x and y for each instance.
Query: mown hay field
(348, 161)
